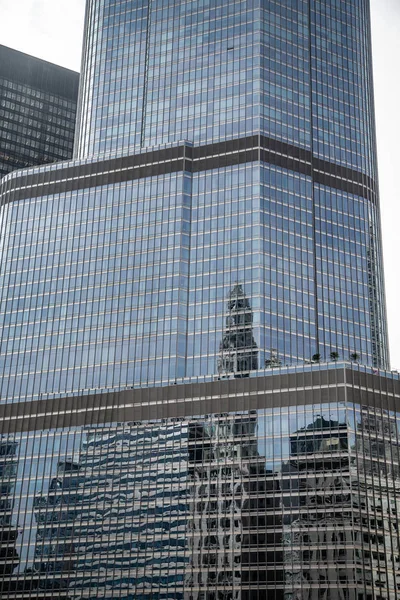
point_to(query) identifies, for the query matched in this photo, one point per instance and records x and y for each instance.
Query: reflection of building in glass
(170, 506)
(55, 513)
(8, 530)
(318, 535)
(283, 500)
(376, 461)
(343, 534)
(122, 507)
(238, 349)
(223, 456)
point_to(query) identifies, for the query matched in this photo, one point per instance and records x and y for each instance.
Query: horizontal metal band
(184, 401)
(191, 159)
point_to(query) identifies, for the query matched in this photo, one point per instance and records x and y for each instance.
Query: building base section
(283, 487)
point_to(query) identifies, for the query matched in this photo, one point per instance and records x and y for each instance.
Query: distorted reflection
(297, 504)
(317, 536)
(9, 556)
(238, 349)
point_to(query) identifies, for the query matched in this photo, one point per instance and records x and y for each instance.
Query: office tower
(289, 196)
(37, 111)
(162, 297)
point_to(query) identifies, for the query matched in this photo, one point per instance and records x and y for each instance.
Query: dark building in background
(38, 103)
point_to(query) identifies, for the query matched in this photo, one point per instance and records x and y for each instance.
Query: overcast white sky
(52, 30)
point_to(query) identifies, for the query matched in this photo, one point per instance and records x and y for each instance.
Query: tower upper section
(126, 260)
(158, 72)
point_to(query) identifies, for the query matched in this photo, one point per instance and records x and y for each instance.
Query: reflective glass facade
(37, 111)
(118, 273)
(294, 501)
(163, 72)
(166, 301)
(127, 275)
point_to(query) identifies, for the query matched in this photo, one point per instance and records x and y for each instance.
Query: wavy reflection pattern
(298, 503)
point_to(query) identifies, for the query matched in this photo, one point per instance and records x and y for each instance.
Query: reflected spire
(238, 349)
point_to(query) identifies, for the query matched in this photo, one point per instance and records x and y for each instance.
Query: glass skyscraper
(175, 302)
(38, 102)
